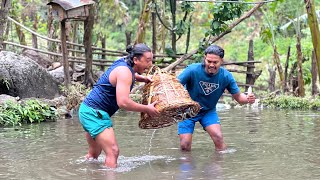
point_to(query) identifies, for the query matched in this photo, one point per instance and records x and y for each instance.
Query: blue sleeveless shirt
(103, 94)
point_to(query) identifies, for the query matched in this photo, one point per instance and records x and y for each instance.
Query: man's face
(144, 63)
(212, 63)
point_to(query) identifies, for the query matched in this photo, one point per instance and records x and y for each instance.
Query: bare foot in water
(89, 156)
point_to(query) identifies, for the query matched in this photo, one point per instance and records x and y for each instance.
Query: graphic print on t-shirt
(208, 88)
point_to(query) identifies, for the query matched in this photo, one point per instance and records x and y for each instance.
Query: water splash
(125, 164)
(227, 151)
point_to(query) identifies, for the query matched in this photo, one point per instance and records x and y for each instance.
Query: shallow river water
(263, 144)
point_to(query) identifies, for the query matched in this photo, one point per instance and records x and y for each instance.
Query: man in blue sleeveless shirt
(110, 93)
(206, 83)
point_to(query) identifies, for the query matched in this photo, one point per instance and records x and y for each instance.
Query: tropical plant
(291, 102)
(12, 113)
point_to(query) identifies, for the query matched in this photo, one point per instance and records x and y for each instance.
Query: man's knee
(185, 145)
(115, 150)
(218, 140)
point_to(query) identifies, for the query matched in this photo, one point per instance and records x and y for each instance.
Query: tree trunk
(75, 40)
(173, 8)
(314, 28)
(276, 60)
(88, 27)
(50, 32)
(103, 46)
(285, 83)
(154, 31)
(292, 76)
(188, 35)
(35, 28)
(301, 91)
(128, 37)
(143, 20)
(4, 9)
(314, 89)
(272, 79)
(250, 67)
(6, 34)
(21, 36)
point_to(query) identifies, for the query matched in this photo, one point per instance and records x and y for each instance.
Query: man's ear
(204, 58)
(135, 59)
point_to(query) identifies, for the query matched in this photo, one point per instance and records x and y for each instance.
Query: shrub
(291, 102)
(29, 112)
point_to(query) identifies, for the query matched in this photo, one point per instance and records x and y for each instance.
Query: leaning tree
(4, 9)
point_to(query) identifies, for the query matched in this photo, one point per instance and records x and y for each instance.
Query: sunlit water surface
(263, 144)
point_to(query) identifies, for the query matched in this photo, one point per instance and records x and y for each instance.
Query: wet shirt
(207, 89)
(103, 94)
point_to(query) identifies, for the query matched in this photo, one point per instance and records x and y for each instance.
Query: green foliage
(199, 55)
(187, 6)
(169, 51)
(182, 27)
(222, 13)
(112, 20)
(291, 102)
(266, 35)
(32, 111)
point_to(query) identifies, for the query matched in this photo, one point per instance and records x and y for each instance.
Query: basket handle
(153, 70)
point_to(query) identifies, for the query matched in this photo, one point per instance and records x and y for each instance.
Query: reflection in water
(266, 144)
(214, 167)
(186, 167)
(190, 168)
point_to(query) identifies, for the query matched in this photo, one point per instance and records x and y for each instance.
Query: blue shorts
(205, 118)
(93, 121)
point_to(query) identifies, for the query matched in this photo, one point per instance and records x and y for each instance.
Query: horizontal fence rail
(76, 54)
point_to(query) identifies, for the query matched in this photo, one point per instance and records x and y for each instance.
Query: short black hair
(216, 50)
(136, 51)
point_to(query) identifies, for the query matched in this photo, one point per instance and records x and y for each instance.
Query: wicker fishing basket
(174, 102)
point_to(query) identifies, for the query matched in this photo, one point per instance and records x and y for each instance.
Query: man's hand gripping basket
(174, 102)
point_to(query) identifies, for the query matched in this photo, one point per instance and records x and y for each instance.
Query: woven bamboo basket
(174, 102)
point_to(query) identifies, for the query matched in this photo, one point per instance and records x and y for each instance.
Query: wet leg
(94, 148)
(185, 142)
(107, 141)
(215, 133)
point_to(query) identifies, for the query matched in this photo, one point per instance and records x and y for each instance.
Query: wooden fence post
(65, 54)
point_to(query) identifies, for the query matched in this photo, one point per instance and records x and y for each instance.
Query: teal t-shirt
(207, 89)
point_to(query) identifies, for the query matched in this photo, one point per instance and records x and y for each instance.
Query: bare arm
(123, 80)
(141, 78)
(242, 98)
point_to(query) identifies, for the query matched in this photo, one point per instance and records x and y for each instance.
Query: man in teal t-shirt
(205, 83)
